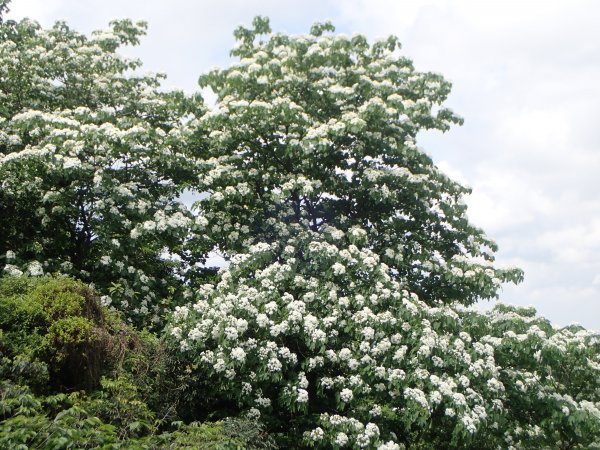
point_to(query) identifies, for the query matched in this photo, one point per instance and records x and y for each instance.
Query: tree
(341, 318)
(318, 339)
(340, 321)
(320, 130)
(91, 163)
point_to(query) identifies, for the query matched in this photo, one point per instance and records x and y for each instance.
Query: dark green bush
(74, 375)
(51, 322)
(55, 336)
(32, 422)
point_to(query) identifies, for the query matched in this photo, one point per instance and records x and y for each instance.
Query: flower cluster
(286, 340)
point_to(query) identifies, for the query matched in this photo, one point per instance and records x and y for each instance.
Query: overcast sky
(526, 77)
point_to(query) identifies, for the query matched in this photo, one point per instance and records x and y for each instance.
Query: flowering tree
(341, 317)
(318, 338)
(90, 162)
(320, 130)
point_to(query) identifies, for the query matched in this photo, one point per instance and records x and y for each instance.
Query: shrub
(62, 422)
(320, 341)
(56, 339)
(55, 322)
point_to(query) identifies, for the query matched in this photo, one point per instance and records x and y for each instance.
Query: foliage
(51, 327)
(55, 337)
(341, 319)
(91, 164)
(31, 422)
(320, 130)
(318, 339)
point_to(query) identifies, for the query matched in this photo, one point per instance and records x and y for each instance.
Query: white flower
(201, 221)
(181, 313)
(302, 380)
(253, 414)
(238, 354)
(368, 333)
(495, 385)
(274, 365)
(344, 354)
(220, 365)
(459, 399)
(10, 255)
(263, 402)
(435, 397)
(176, 332)
(338, 269)
(341, 439)
(370, 261)
(418, 396)
(231, 333)
(457, 272)
(317, 434)
(262, 320)
(469, 424)
(271, 307)
(375, 411)
(371, 430)
(302, 396)
(400, 353)
(346, 395)
(13, 270)
(35, 269)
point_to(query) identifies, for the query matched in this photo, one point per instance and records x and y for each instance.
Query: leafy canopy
(91, 163)
(340, 321)
(320, 131)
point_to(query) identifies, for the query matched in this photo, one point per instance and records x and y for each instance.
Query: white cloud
(453, 172)
(40, 10)
(542, 131)
(498, 202)
(578, 244)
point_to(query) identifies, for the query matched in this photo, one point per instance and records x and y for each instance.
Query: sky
(526, 79)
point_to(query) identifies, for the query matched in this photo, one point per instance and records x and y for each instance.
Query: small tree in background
(91, 163)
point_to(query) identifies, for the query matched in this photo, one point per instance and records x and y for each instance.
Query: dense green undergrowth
(74, 375)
